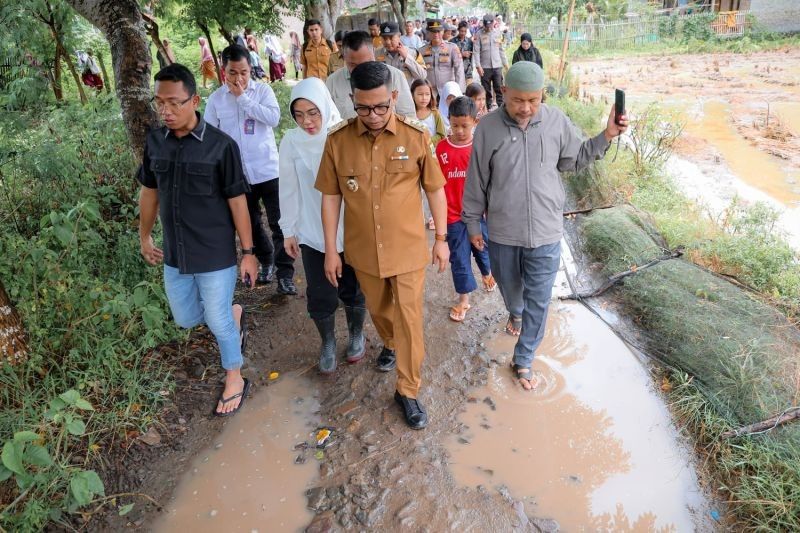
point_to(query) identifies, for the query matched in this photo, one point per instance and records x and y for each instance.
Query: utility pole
(562, 67)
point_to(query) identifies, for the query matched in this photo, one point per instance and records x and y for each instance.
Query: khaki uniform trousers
(395, 305)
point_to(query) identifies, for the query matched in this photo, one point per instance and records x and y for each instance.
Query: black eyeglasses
(380, 109)
(171, 106)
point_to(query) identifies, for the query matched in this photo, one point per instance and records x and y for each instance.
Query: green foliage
(93, 311)
(698, 27)
(39, 464)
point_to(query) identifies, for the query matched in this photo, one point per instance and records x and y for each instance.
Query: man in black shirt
(192, 177)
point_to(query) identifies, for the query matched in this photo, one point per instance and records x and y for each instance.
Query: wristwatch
(442, 237)
(249, 251)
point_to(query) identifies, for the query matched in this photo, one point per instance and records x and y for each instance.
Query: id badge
(249, 126)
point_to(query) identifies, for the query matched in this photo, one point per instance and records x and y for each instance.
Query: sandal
(242, 394)
(459, 312)
(514, 325)
(489, 284)
(524, 374)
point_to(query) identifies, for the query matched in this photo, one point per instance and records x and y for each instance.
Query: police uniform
(412, 66)
(489, 55)
(379, 179)
(443, 62)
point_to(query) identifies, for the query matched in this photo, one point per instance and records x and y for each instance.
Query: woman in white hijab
(449, 92)
(300, 154)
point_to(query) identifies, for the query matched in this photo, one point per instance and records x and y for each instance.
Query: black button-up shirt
(195, 176)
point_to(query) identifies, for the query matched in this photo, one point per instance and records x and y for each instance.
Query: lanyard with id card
(249, 126)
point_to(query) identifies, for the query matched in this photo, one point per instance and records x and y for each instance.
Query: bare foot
(525, 377)
(234, 384)
(514, 326)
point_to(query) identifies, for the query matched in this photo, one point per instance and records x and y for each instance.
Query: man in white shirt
(410, 38)
(247, 111)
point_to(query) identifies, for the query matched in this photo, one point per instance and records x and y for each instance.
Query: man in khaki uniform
(377, 163)
(395, 54)
(490, 60)
(315, 52)
(375, 33)
(442, 60)
(336, 61)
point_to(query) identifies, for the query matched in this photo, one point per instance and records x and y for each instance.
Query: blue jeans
(526, 277)
(206, 298)
(461, 253)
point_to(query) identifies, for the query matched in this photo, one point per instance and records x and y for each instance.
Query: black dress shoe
(286, 286)
(266, 275)
(386, 360)
(416, 417)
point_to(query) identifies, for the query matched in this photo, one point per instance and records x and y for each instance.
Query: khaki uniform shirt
(338, 85)
(488, 50)
(335, 62)
(377, 42)
(443, 64)
(412, 66)
(379, 179)
(315, 60)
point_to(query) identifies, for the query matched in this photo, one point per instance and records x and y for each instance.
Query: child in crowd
(478, 95)
(426, 112)
(449, 92)
(453, 154)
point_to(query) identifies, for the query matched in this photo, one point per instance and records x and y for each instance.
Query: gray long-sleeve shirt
(514, 175)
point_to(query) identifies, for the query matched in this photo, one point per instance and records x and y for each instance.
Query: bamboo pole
(562, 65)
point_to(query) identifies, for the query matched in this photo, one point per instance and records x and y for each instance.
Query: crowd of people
(378, 141)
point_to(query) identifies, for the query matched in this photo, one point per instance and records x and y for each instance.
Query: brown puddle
(752, 165)
(593, 447)
(251, 482)
(789, 113)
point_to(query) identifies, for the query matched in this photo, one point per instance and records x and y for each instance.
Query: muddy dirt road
(572, 456)
(742, 117)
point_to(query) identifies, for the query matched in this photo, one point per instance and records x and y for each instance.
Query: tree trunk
(226, 34)
(71, 66)
(13, 342)
(204, 28)
(121, 22)
(58, 89)
(326, 11)
(106, 79)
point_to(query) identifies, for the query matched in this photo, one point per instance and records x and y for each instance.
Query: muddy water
(593, 447)
(752, 165)
(789, 113)
(248, 480)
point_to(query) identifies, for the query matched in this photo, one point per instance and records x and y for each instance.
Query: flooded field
(248, 480)
(742, 121)
(593, 447)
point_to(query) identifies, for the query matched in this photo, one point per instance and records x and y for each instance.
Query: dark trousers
(322, 297)
(525, 277)
(461, 254)
(269, 252)
(493, 77)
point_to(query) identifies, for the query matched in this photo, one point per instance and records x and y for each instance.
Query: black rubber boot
(356, 344)
(327, 355)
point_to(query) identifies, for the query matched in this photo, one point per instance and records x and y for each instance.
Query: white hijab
(309, 148)
(450, 88)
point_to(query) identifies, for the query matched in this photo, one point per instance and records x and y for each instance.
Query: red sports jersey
(453, 160)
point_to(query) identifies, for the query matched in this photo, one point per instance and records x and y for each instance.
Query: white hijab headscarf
(310, 147)
(450, 88)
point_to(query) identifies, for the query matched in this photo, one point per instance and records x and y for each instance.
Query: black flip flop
(243, 394)
(243, 329)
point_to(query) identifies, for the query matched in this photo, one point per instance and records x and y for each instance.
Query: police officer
(377, 163)
(442, 60)
(394, 53)
(490, 59)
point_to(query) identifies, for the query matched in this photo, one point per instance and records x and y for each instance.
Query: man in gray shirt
(514, 178)
(356, 49)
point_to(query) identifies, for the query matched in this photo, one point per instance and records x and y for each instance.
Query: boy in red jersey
(453, 153)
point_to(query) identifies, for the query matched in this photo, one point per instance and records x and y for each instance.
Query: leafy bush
(69, 259)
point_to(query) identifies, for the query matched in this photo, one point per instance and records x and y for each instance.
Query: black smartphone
(247, 281)
(619, 105)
